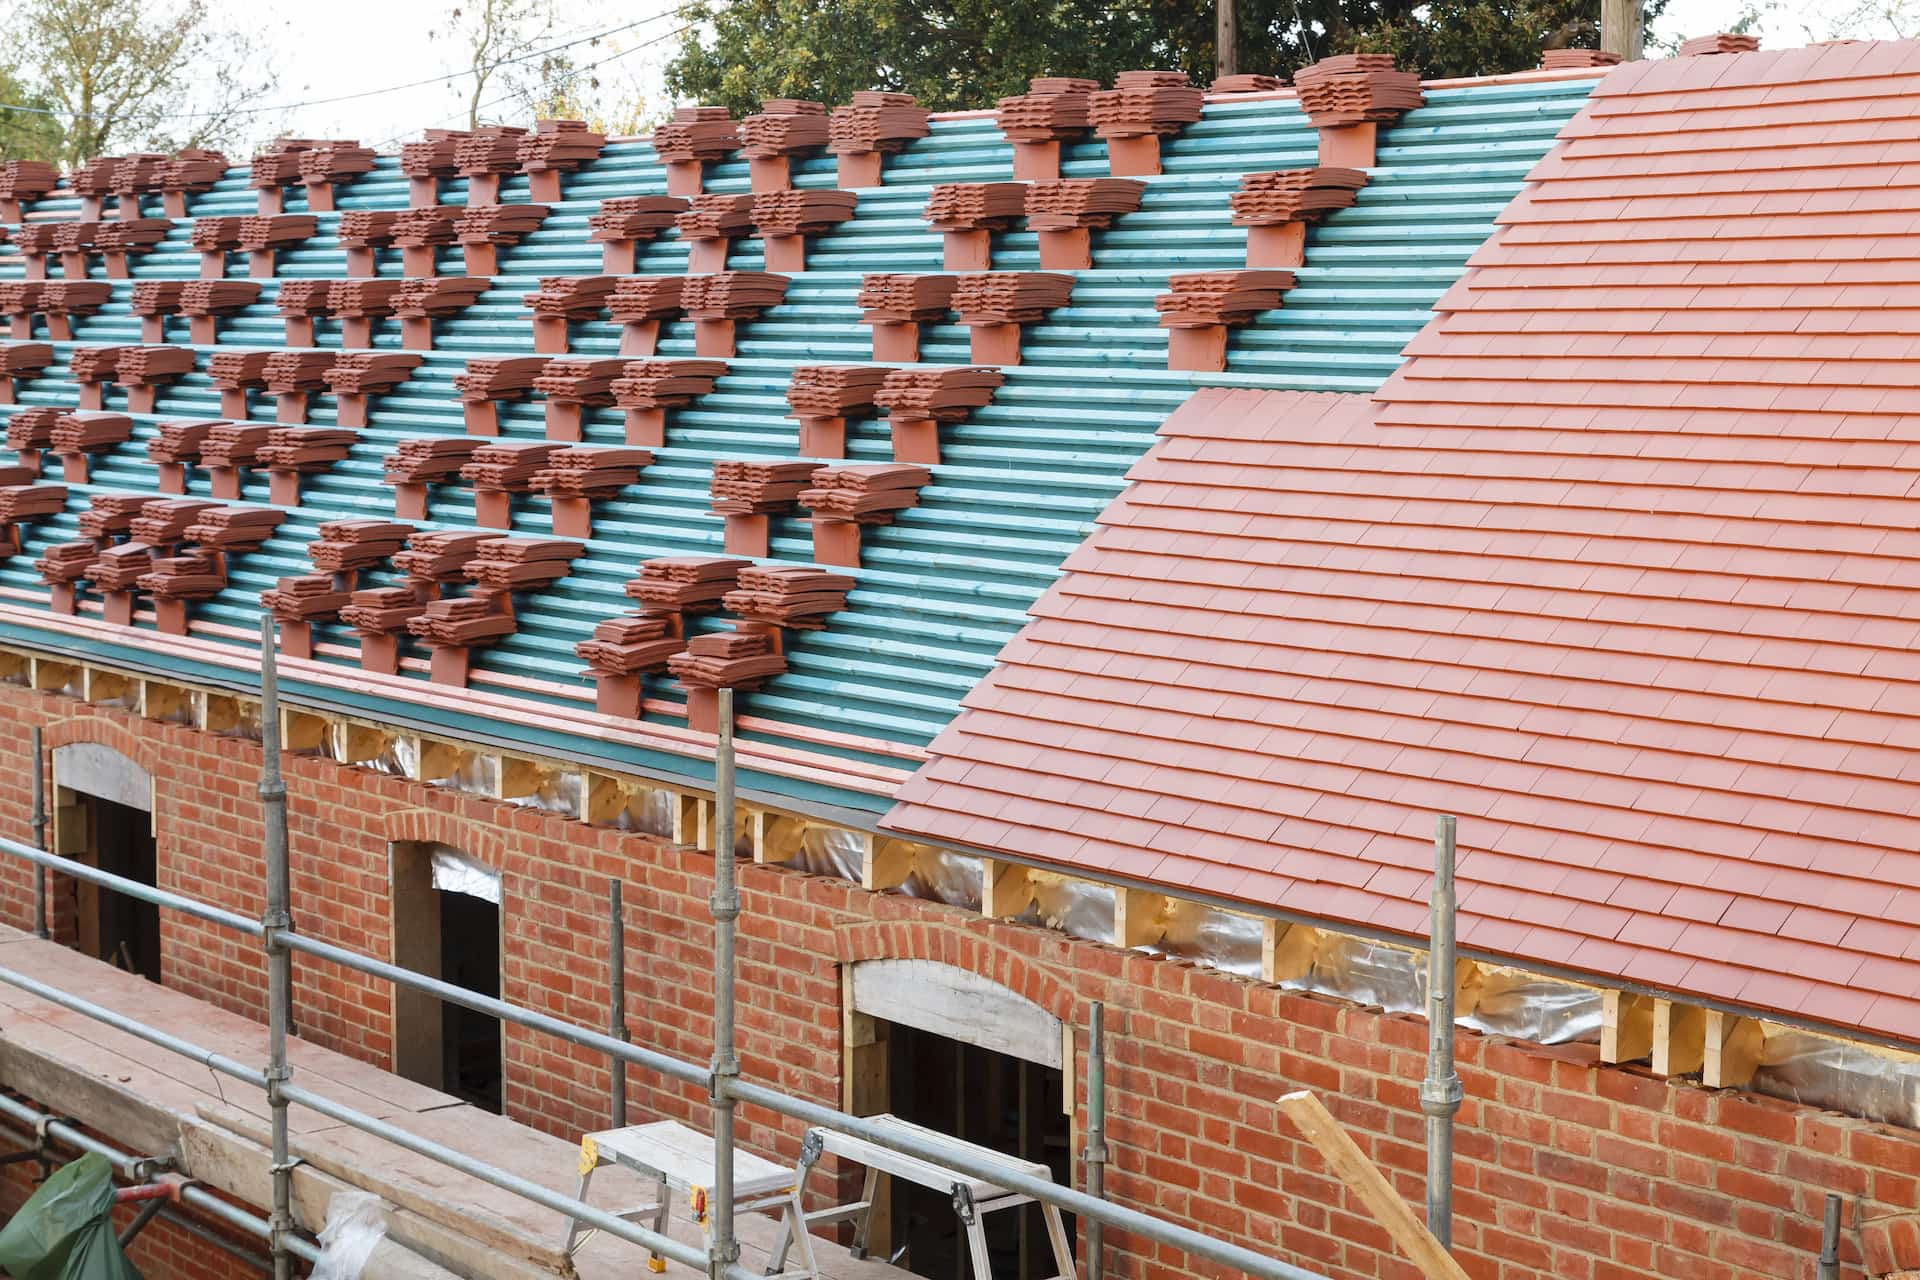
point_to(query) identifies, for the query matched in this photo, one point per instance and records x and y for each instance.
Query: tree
(29, 128)
(965, 53)
(139, 74)
(502, 42)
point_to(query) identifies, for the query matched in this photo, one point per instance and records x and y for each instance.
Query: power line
(372, 93)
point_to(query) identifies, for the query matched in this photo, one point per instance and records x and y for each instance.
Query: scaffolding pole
(1440, 1092)
(38, 747)
(725, 1250)
(275, 924)
(1096, 1133)
(616, 1001)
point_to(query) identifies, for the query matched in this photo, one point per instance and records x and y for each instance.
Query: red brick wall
(1566, 1169)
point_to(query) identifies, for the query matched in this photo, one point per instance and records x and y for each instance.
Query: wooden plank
(1626, 1026)
(1136, 917)
(1731, 1050)
(1005, 889)
(162, 701)
(958, 1004)
(887, 864)
(1370, 1186)
(1287, 950)
(1679, 1038)
(777, 836)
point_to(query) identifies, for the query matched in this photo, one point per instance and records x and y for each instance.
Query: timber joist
(1671, 1038)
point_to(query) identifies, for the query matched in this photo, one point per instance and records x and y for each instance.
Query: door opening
(995, 1100)
(123, 931)
(446, 925)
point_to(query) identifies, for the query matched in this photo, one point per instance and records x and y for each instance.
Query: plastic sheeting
(1837, 1076)
(1078, 908)
(649, 811)
(830, 851)
(1525, 1006)
(455, 872)
(955, 879)
(1226, 941)
(356, 1223)
(561, 792)
(65, 1229)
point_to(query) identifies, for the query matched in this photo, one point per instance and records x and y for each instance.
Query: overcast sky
(323, 51)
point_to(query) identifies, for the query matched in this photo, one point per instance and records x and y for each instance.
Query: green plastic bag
(65, 1232)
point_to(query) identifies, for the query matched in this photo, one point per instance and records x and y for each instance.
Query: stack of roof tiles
(562, 300)
(731, 295)
(1294, 195)
(1220, 297)
(517, 564)
(265, 232)
(630, 644)
(332, 162)
(570, 385)
(503, 468)
(1009, 297)
(556, 147)
(86, 431)
(892, 298)
(204, 301)
(91, 366)
(118, 240)
(305, 598)
(279, 164)
(61, 300)
(22, 181)
(1080, 202)
(31, 501)
(1054, 108)
(32, 428)
(590, 470)
(21, 360)
(727, 660)
(93, 182)
(800, 212)
(428, 459)
(976, 206)
(175, 447)
(484, 229)
(716, 217)
(1719, 42)
(229, 446)
(937, 395)
(301, 450)
(873, 125)
(428, 161)
(461, 622)
(347, 546)
(233, 374)
(1356, 88)
(436, 558)
(165, 521)
(361, 231)
(365, 372)
(484, 155)
(425, 227)
(357, 303)
(226, 528)
(784, 127)
(1246, 82)
(640, 298)
(1562, 59)
(1145, 102)
(684, 584)
(664, 384)
(787, 595)
(422, 298)
(36, 243)
(621, 221)
(135, 176)
(695, 135)
(191, 171)
(506, 378)
(380, 613)
(833, 391)
(297, 373)
(153, 301)
(869, 493)
(65, 563)
(757, 488)
(108, 514)
(120, 567)
(142, 370)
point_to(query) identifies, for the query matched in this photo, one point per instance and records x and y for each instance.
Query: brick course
(1567, 1170)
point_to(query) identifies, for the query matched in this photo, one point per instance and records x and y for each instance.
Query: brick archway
(428, 826)
(105, 733)
(963, 949)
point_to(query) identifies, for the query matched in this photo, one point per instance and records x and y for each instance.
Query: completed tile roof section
(1619, 569)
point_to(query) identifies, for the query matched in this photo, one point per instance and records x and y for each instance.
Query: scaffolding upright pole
(1096, 1133)
(38, 746)
(275, 923)
(724, 1250)
(617, 998)
(1440, 1092)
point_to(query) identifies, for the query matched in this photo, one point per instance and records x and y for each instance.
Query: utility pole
(1623, 24)
(1226, 38)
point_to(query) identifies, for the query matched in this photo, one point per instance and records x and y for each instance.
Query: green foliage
(27, 135)
(965, 53)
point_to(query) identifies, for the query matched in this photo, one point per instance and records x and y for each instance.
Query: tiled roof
(944, 586)
(1620, 568)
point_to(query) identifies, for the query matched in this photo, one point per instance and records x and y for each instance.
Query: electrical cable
(374, 93)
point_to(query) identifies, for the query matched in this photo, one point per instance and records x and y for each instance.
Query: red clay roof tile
(1617, 568)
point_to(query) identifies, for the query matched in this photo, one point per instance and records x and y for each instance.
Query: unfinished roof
(940, 589)
(1618, 569)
